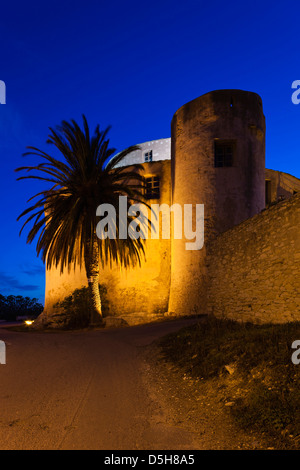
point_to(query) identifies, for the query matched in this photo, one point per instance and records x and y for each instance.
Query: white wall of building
(161, 150)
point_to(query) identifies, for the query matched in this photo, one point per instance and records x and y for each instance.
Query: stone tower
(217, 159)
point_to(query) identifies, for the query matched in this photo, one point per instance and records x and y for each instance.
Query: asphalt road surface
(83, 390)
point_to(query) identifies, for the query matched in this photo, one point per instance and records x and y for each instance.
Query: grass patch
(253, 366)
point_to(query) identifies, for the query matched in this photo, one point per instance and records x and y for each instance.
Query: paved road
(82, 390)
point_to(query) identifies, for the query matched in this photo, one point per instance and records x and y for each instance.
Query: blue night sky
(132, 65)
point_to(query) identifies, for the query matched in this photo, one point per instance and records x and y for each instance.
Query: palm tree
(64, 215)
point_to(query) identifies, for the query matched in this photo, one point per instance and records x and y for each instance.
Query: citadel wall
(280, 185)
(145, 288)
(253, 269)
(231, 189)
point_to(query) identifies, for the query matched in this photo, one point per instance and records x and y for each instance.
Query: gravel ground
(196, 408)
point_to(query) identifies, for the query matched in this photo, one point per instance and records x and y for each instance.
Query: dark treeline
(13, 306)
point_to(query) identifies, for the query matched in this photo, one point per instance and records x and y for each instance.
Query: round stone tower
(217, 159)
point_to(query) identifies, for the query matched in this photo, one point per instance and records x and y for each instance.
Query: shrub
(74, 310)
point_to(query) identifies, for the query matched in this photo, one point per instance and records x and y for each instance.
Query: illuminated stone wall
(145, 288)
(253, 269)
(58, 285)
(282, 185)
(230, 194)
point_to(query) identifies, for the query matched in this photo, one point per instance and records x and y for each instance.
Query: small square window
(224, 153)
(152, 187)
(148, 156)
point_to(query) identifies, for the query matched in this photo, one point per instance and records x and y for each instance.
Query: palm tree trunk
(92, 271)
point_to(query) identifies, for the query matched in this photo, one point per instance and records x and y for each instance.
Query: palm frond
(87, 175)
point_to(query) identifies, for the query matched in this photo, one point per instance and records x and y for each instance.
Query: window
(224, 153)
(148, 156)
(268, 192)
(152, 187)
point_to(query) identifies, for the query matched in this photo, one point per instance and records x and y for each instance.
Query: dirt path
(104, 389)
